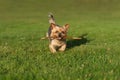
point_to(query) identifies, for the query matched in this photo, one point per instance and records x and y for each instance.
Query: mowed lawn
(23, 56)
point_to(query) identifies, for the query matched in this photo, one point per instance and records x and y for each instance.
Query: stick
(43, 38)
(74, 38)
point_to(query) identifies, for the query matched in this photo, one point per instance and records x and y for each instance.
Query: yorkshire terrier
(57, 35)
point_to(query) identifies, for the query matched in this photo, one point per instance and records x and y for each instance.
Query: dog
(57, 35)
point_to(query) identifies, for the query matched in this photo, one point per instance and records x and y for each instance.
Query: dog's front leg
(52, 48)
(62, 48)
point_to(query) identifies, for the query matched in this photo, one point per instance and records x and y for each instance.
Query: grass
(23, 56)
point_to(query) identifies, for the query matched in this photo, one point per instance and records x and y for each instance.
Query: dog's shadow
(77, 42)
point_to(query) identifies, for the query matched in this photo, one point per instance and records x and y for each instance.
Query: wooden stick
(43, 38)
(74, 38)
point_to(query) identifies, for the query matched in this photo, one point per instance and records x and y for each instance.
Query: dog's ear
(52, 25)
(66, 26)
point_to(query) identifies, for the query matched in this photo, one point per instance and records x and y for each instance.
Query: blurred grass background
(23, 56)
(30, 10)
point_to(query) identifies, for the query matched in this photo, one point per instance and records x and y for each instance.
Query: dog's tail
(51, 18)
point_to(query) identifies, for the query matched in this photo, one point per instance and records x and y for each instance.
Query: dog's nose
(59, 35)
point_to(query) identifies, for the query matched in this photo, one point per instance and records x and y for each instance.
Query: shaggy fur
(57, 35)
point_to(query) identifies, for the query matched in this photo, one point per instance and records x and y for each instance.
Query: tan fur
(57, 36)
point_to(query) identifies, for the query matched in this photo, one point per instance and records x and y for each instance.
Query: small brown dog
(57, 35)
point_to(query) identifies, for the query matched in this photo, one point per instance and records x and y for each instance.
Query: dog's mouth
(58, 37)
(61, 38)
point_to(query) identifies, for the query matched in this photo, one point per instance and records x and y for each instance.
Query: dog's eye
(56, 31)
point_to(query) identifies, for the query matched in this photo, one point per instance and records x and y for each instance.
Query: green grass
(23, 56)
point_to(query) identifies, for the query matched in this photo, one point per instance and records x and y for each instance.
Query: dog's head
(58, 32)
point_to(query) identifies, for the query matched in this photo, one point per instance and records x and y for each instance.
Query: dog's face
(57, 32)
